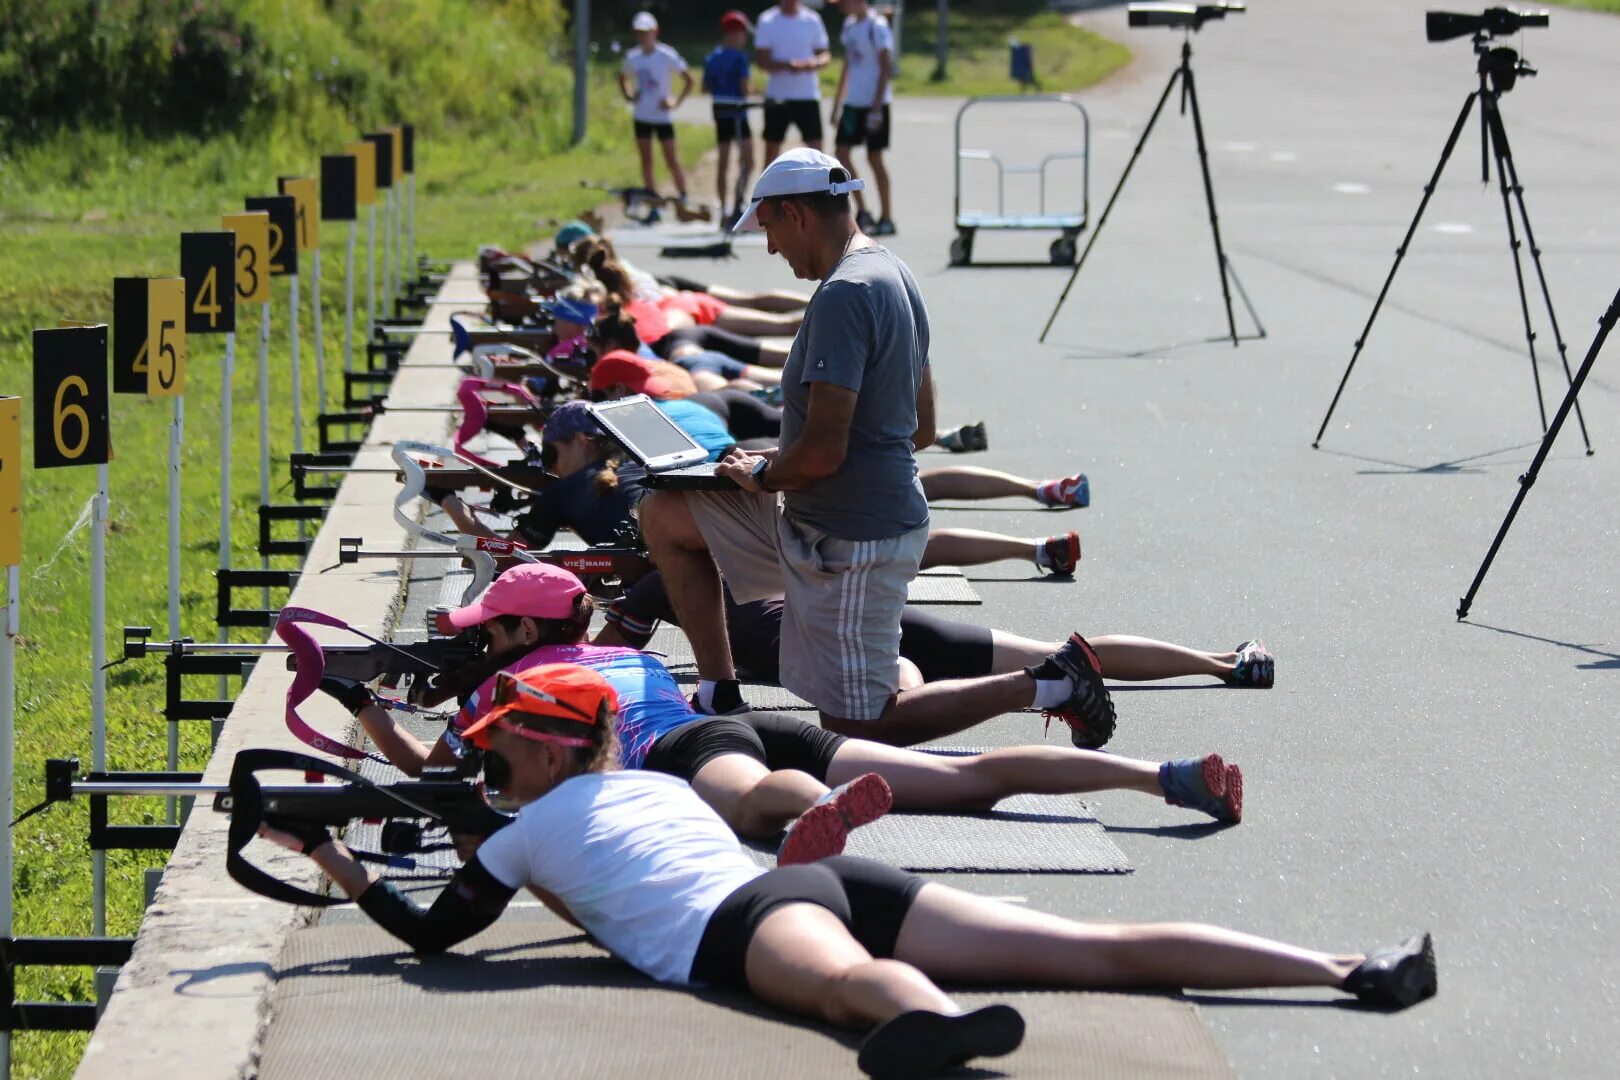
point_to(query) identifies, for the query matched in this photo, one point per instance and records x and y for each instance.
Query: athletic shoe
(865, 222)
(822, 830)
(1062, 553)
(1207, 784)
(1255, 666)
(726, 701)
(1397, 977)
(1066, 491)
(883, 228)
(1089, 711)
(974, 438)
(921, 1043)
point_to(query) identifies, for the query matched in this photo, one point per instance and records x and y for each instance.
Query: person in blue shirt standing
(725, 78)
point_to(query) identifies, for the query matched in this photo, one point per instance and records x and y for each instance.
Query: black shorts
(805, 115)
(731, 123)
(773, 740)
(710, 339)
(852, 129)
(870, 898)
(662, 132)
(944, 648)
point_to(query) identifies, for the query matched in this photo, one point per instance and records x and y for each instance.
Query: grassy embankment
(104, 191)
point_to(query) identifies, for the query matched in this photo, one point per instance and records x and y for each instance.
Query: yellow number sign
(252, 255)
(166, 337)
(10, 481)
(306, 196)
(399, 151)
(365, 157)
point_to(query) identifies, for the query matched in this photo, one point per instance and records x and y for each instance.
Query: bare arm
(926, 431)
(765, 62)
(624, 87)
(400, 747)
(686, 89)
(838, 95)
(885, 70)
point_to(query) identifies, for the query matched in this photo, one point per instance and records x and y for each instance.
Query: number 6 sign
(70, 397)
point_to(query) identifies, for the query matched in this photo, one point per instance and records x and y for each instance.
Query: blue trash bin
(1022, 63)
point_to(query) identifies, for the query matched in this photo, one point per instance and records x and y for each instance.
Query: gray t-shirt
(866, 329)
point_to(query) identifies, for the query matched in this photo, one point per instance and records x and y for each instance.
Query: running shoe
(1062, 554)
(1397, 977)
(921, 1043)
(1207, 784)
(883, 228)
(822, 830)
(1255, 666)
(865, 222)
(974, 438)
(1089, 711)
(1066, 491)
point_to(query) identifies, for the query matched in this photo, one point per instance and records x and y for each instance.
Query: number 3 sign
(70, 397)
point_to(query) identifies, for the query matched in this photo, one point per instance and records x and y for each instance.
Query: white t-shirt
(863, 40)
(639, 859)
(654, 73)
(792, 37)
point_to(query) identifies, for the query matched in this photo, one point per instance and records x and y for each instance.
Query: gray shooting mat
(531, 996)
(941, 585)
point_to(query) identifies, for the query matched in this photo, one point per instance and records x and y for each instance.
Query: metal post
(98, 677)
(348, 307)
(320, 340)
(388, 250)
(297, 376)
(176, 441)
(582, 67)
(371, 270)
(941, 41)
(410, 226)
(8, 738)
(264, 421)
(225, 453)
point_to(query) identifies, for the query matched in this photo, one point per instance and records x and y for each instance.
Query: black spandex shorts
(870, 898)
(772, 739)
(745, 416)
(944, 648)
(731, 123)
(710, 339)
(804, 115)
(661, 132)
(852, 129)
(685, 284)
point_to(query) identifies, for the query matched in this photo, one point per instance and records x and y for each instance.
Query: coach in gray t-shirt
(866, 330)
(845, 536)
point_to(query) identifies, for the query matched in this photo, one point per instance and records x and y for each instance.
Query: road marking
(1283, 155)
(1345, 187)
(1456, 228)
(1239, 147)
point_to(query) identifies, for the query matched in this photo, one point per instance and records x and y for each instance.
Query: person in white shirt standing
(860, 113)
(647, 80)
(790, 43)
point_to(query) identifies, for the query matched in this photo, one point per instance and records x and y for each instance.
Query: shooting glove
(311, 834)
(349, 693)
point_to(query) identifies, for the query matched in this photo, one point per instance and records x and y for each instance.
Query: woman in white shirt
(647, 80)
(650, 871)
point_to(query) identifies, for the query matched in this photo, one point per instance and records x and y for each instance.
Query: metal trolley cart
(1069, 222)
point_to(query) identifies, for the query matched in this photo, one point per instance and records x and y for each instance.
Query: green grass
(1594, 5)
(82, 207)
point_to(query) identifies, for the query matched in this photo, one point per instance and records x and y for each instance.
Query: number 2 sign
(70, 397)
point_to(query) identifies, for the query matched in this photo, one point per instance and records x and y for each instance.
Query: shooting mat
(532, 996)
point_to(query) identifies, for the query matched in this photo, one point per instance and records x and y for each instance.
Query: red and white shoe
(1065, 492)
(822, 830)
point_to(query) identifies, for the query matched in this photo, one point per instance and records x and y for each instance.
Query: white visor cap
(801, 171)
(644, 20)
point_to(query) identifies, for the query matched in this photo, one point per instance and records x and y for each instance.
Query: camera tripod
(1499, 69)
(1527, 481)
(1189, 96)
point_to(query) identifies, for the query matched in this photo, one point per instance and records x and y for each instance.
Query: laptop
(672, 458)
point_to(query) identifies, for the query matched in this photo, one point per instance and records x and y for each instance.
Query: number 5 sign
(70, 397)
(166, 337)
(10, 481)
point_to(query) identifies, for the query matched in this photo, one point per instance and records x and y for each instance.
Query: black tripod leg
(1129, 165)
(1497, 137)
(1509, 173)
(1528, 480)
(1400, 254)
(1191, 94)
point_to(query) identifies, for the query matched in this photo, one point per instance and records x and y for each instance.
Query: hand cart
(1069, 222)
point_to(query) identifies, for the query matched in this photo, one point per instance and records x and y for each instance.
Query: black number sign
(129, 352)
(338, 193)
(70, 397)
(409, 131)
(283, 211)
(208, 263)
(384, 141)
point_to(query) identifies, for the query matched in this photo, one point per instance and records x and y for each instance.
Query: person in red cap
(725, 78)
(621, 373)
(651, 872)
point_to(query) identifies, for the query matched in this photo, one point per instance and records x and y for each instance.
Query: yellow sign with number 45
(252, 255)
(10, 481)
(166, 337)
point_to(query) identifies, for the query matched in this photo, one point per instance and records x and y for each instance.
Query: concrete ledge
(192, 1001)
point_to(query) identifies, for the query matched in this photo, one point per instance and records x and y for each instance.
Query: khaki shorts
(842, 598)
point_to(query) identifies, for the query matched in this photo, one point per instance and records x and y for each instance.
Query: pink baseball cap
(538, 590)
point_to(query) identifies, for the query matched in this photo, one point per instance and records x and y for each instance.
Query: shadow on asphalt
(1610, 661)
(1454, 467)
(1194, 831)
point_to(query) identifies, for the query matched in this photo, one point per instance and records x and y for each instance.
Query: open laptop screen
(648, 433)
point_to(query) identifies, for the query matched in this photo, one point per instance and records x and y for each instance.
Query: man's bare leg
(972, 547)
(939, 708)
(846, 158)
(693, 580)
(971, 482)
(673, 159)
(880, 174)
(722, 167)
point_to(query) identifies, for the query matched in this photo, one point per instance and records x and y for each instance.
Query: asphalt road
(1408, 771)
